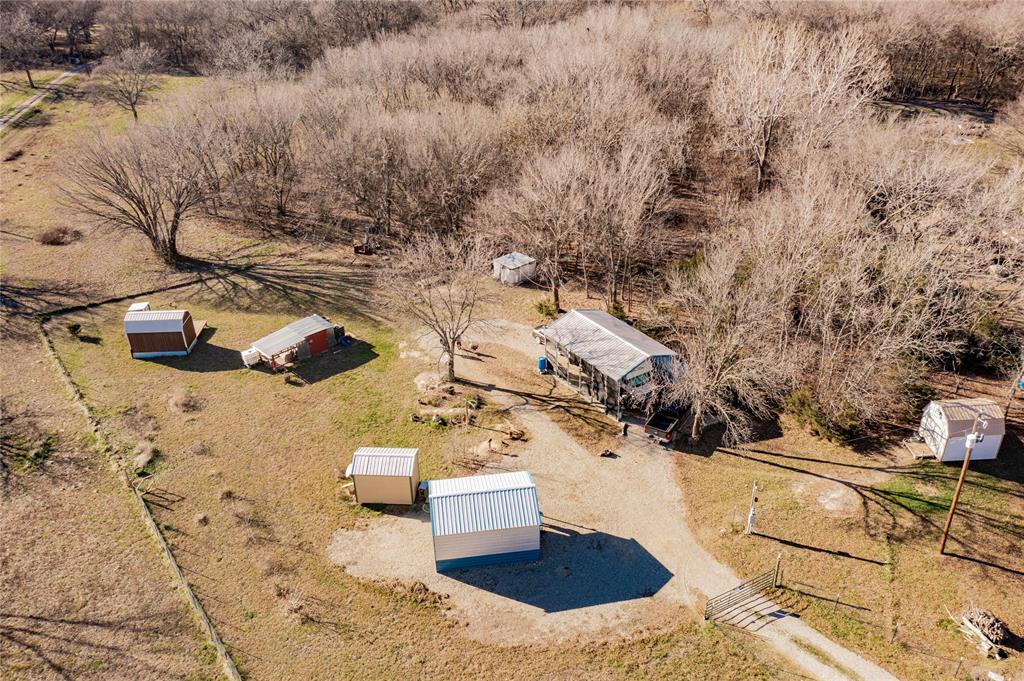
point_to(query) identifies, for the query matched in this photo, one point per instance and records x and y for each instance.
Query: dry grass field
(243, 468)
(864, 526)
(246, 488)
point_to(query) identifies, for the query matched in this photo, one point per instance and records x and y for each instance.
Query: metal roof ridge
(466, 493)
(609, 331)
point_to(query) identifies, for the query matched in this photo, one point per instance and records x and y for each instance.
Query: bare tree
(437, 280)
(544, 213)
(626, 196)
(782, 82)
(21, 40)
(147, 180)
(129, 76)
(1008, 132)
(731, 366)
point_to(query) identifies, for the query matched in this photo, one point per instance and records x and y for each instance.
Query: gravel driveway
(617, 555)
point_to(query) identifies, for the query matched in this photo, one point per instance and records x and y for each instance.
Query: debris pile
(986, 630)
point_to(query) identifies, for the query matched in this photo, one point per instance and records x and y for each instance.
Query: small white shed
(514, 268)
(385, 475)
(946, 424)
(484, 520)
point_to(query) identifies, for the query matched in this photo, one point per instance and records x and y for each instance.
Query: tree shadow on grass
(289, 282)
(59, 643)
(576, 570)
(576, 407)
(902, 514)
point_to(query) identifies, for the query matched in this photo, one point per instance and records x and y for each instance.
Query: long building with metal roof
(484, 520)
(603, 356)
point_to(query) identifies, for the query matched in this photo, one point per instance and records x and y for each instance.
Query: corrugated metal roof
(960, 413)
(514, 260)
(153, 321)
(610, 345)
(390, 461)
(291, 335)
(483, 503)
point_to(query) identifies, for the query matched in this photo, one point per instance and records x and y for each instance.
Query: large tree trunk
(555, 297)
(451, 366)
(698, 418)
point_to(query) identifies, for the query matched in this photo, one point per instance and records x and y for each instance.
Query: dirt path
(617, 555)
(17, 112)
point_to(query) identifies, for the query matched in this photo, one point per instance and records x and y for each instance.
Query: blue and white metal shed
(484, 520)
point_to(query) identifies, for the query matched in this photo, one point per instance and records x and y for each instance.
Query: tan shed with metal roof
(946, 424)
(385, 475)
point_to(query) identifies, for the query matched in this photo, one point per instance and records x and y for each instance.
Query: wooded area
(845, 247)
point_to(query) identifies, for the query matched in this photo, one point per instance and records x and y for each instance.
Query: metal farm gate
(749, 589)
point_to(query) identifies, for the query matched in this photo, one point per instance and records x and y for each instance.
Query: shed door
(318, 342)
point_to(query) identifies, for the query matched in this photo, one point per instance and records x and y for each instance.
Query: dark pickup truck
(662, 425)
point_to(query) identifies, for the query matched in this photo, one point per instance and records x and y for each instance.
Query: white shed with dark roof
(484, 520)
(945, 425)
(385, 475)
(514, 268)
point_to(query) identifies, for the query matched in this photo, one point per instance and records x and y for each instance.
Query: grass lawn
(865, 529)
(15, 88)
(251, 511)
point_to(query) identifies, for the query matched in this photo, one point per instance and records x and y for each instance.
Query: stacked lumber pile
(985, 630)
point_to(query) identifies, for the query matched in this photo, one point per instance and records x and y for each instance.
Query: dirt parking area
(609, 544)
(613, 540)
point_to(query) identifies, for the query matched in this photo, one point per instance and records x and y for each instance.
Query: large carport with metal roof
(604, 357)
(484, 520)
(385, 475)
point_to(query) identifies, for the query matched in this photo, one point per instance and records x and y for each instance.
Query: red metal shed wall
(318, 342)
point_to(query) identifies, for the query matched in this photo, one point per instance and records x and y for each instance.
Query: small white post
(752, 516)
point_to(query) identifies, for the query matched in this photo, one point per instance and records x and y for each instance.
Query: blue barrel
(542, 364)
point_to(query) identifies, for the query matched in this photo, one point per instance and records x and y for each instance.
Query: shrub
(801, 406)
(546, 308)
(74, 328)
(59, 236)
(145, 457)
(616, 310)
(183, 401)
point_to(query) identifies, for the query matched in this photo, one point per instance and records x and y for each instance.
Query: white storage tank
(945, 425)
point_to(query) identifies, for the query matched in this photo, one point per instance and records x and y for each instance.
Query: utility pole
(973, 438)
(752, 515)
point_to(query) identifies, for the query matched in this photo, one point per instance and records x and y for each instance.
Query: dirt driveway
(604, 549)
(617, 555)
